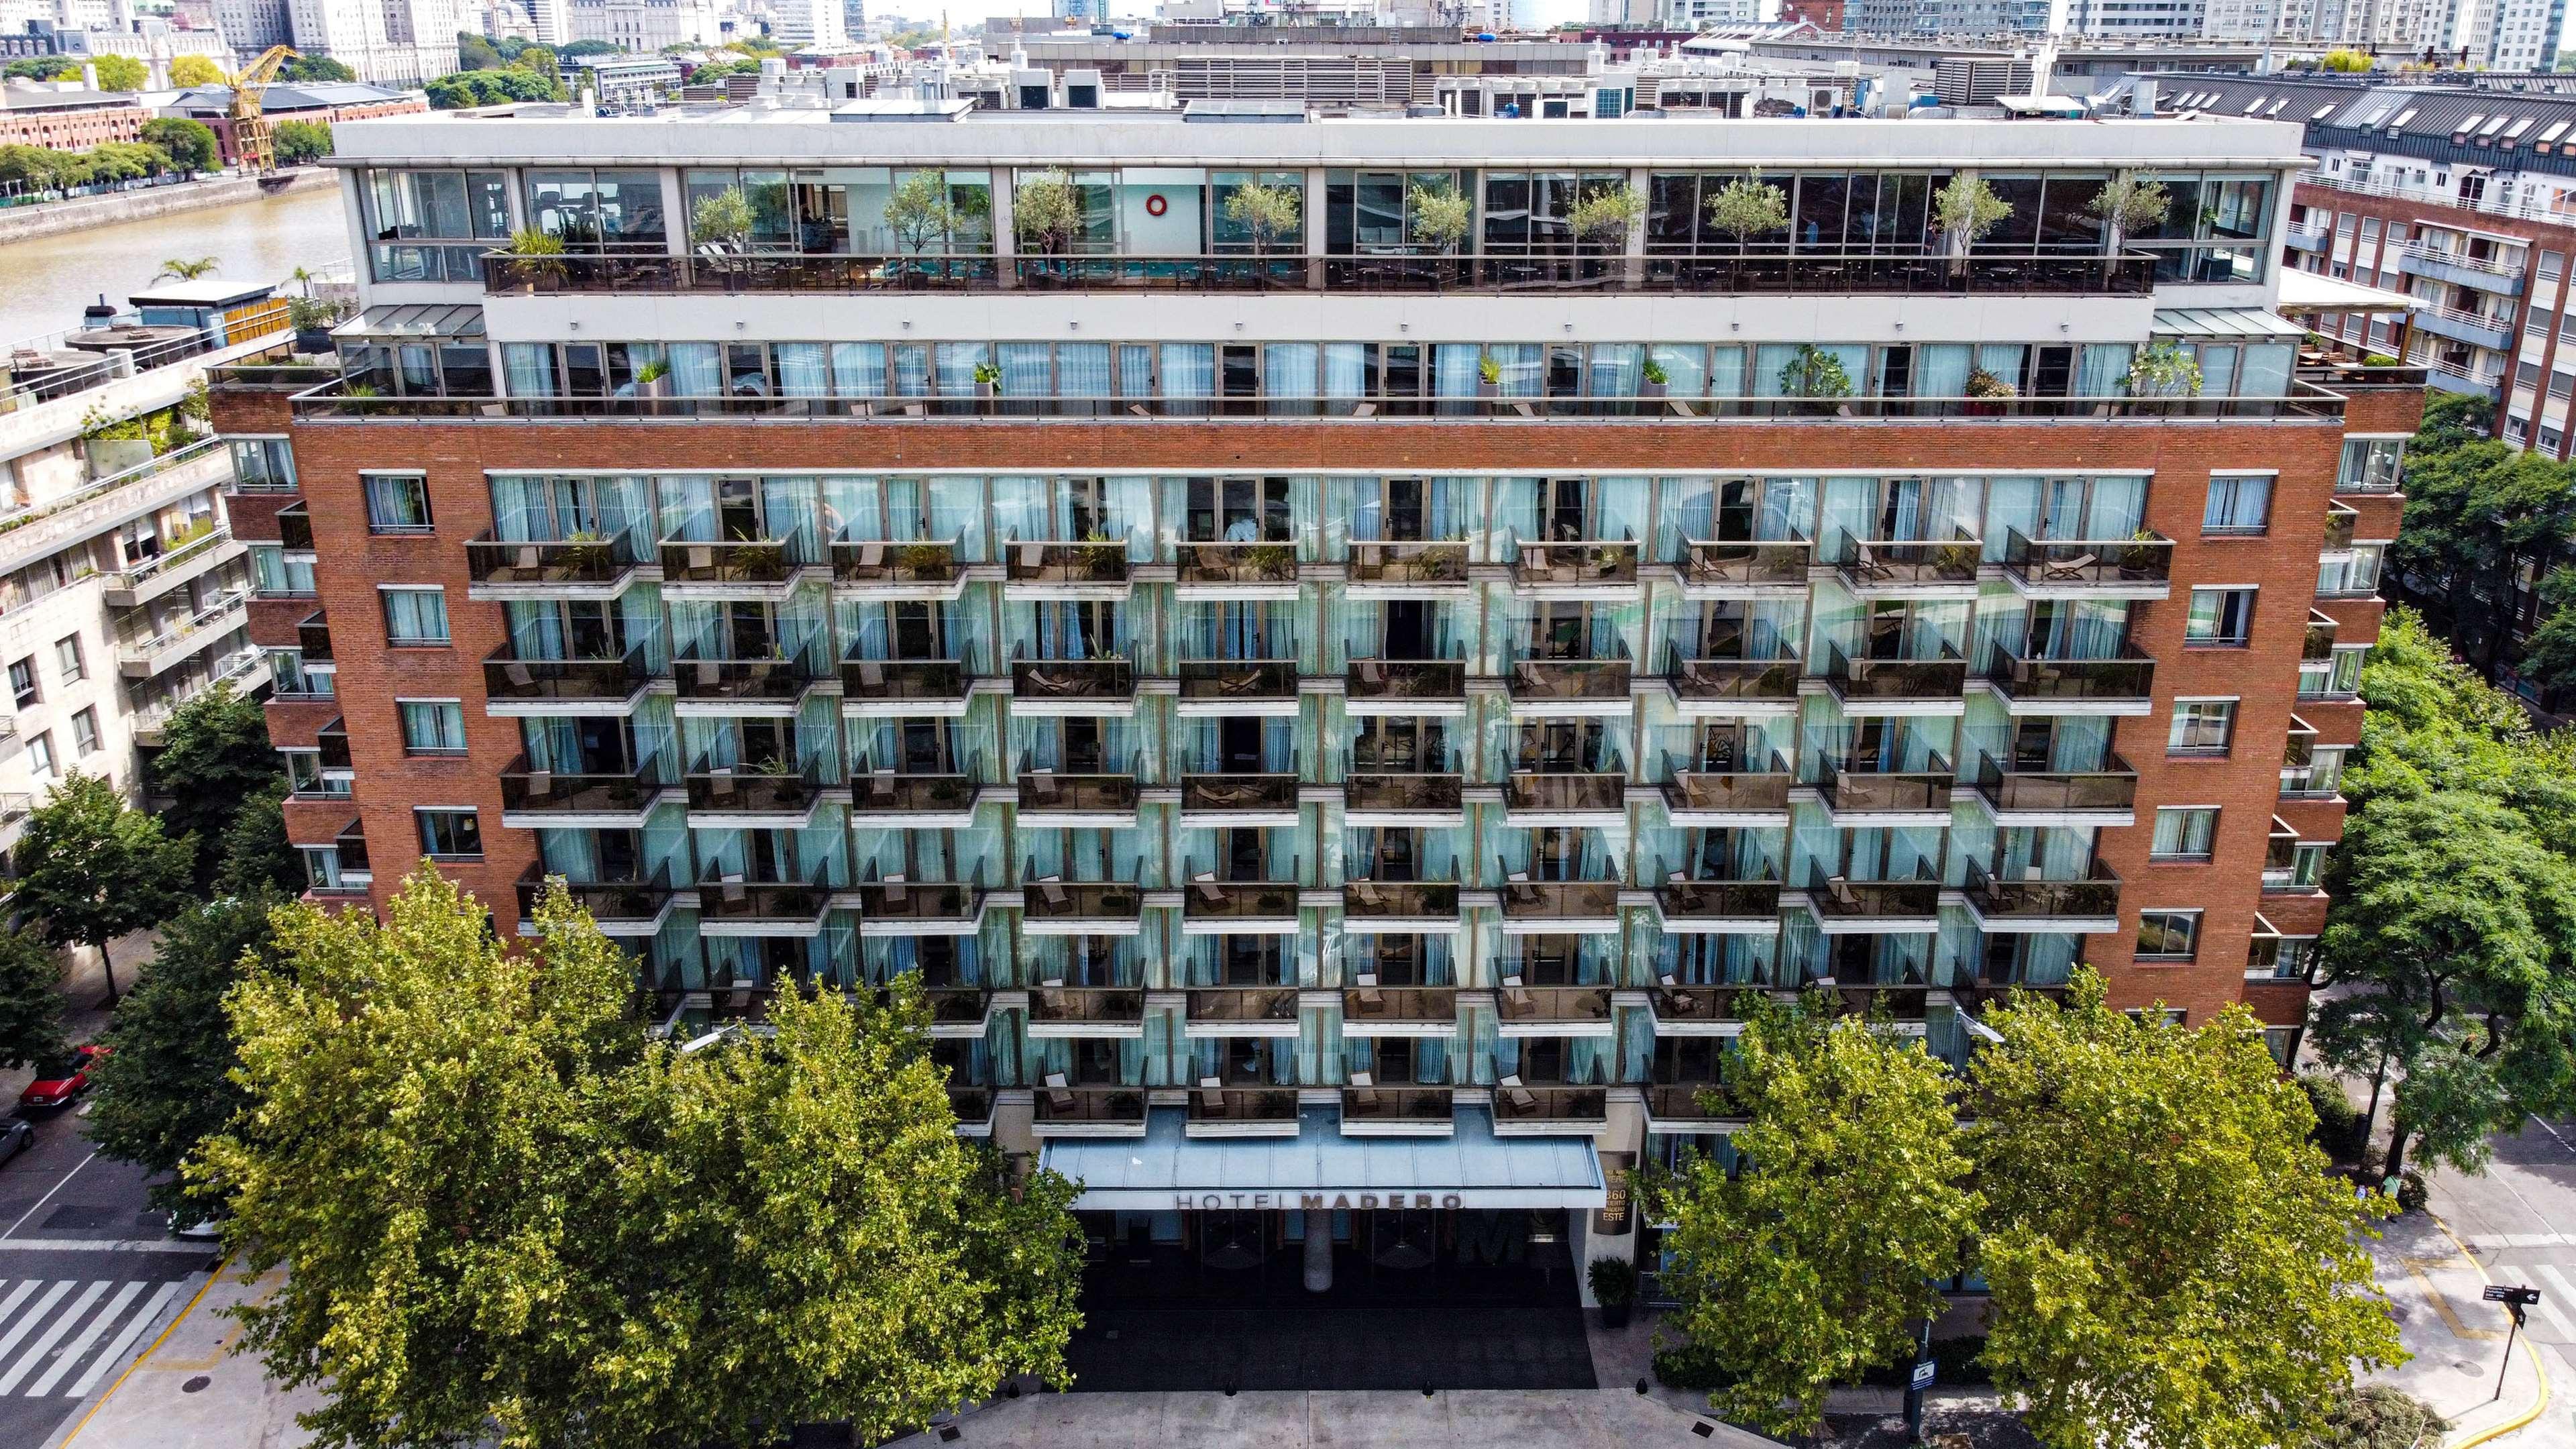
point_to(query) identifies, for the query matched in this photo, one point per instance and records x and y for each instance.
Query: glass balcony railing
(908, 561)
(1900, 1001)
(1561, 899)
(1068, 680)
(2074, 564)
(2129, 678)
(1692, 1102)
(892, 792)
(1240, 900)
(1090, 1106)
(1886, 792)
(1366, 1000)
(1780, 563)
(1242, 1003)
(1894, 680)
(508, 678)
(1748, 791)
(1719, 900)
(1395, 1105)
(2096, 896)
(331, 744)
(924, 901)
(1246, 680)
(295, 527)
(743, 681)
(1874, 565)
(741, 561)
(531, 791)
(313, 638)
(1406, 679)
(609, 902)
(563, 563)
(1400, 900)
(1087, 1005)
(1524, 1003)
(1840, 898)
(1535, 792)
(1217, 1106)
(1053, 900)
(898, 679)
(1518, 1103)
(1382, 562)
(1049, 791)
(1426, 794)
(1067, 563)
(1238, 794)
(1569, 681)
(2342, 519)
(1575, 563)
(781, 903)
(1237, 564)
(1713, 680)
(1680, 1004)
(753, 790)
(2010, 790)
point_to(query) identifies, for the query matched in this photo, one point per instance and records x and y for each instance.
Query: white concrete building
(382, 40)
(642, 27)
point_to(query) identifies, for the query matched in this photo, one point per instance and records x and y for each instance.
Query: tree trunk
(107, 964)
(2370, 1119)
(2397, 1135)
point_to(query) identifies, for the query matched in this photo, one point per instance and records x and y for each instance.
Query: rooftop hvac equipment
(1965, 80)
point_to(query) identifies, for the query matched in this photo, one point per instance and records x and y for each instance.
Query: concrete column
(1319, 1250)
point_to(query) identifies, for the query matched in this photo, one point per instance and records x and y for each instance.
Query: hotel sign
(1335, 1199)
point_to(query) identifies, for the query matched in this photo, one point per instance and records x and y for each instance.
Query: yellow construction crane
(252, 144)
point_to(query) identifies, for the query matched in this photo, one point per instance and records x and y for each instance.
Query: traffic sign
(2510, 1293)
(1923, 1374)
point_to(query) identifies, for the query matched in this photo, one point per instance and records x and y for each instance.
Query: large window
(2168, 935)
(2214, 228)
(415, 616)
(2239, 505)
(2220, 618)
(2370, 465)
(2201, 727)
(1528, 213)
(1369, 212)
(848, 211)
(432, 726)
(447, 834)
(2184, 833)
(599, 211)
(434, 226)
(263, 465)
(397, 502)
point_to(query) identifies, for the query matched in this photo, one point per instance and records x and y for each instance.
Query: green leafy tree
(2170, 1260)
(2163, 370)
(2127, 204)
(31, 1001)
(316, 68)
(1966, 208)
(918, 211)
(1813, 372)
(42, 68)
(581, 48)
(302, 142)
(476, 52)
(121, 72)
(215, 757)
(190, 71)
(1602, 216)
(186, 269)
(167, 1086)
(1817, 1262)
(510, 1214)
(1046, 212)
(1268, 215)
(1439, 216)
(722, 217)
(1746, 208)
(190, 145)
(91, 868)
(2477, 511)
(256, 854)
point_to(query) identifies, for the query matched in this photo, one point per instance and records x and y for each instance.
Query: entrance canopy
(1167, 1169)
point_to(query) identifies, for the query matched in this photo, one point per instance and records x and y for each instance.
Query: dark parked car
(16, 1136)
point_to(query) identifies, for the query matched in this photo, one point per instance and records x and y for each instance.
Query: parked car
(16, 1136)
(58, 1082)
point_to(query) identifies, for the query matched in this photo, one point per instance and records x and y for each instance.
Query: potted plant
(1046, 215)
(2130, 203)
(1489, 377)
(1602, 217)
(1272, 560)
(1102, 563)
(1438, 217)
(918, 210)
(2162, 370)
(987, 378)
(653, 383)
(1813, 372)
(586, 553)
(311, 317)
(1654, 380)
(539, 254)
(2139, 558)
(1965, 210)
(922, 560)
(1267, 214)
(1748, 208)
(1614, 1287)
(1988, 393)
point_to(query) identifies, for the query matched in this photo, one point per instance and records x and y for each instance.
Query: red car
(58, 1082)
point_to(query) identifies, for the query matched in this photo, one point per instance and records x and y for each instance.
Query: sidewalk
(188, 1390)
(2434, 1291)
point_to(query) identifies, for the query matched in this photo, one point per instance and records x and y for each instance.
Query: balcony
(331, 746)
(2317, 644)
(907, 569)
(762, 908)
(2021, 798)
(1905, 1003)
(1858, 798)
(1064, 801)
(148, 579)
(1406, 687)
(1371, 1008)
(1238, 800)
(1709, 569)
(1369, 1110)
(1243, 1010)
(591, 568)
(2090, 906)
(897, 907)
(295, 527)
(750, 797)
(1535, 798)
(1845, 907)
(2287, 866)
(923, 802)
(313, 638)
(2479, 273)
(1692, 1010)
(1390, 570)
(1081, 908)
(2132, 568)
(533, 799)
(1570, 686)
(1560, 907)
(1070, 570)
(752, 570)
(1521, 1109)
(1869, 686)
(1732, 688)
(1400, 908)
(184, 639)
(1059, 1010)
(2342, 521)
(514, 686)
(904, 687)
(1425, 801)
(1727, 799)
(1222, 687)
(773, 688)
(1719, 907)
(1242, 1112)
(1211, 907)
(1908, 568)
(1576, 569)
(1211, 570)
(1683, 1105)
(1089, 1111)
(973, 1109)
(620, 908)
(1073, 687)
(2033, 686)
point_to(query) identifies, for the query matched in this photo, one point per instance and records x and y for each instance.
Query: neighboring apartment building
(384, 41)
(67, 119)
(1352, 716)
(122, 591)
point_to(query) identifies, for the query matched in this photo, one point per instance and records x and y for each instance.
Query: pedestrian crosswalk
(60, 1337)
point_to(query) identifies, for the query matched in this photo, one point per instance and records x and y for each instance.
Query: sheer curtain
(1025, 369)
(1082, 369)
(1685, 367)
(1941, 370)
(1726, 372)
(1345, 370)
(694, 370)
(530, 368)
(858, 369)
(802, 369)
(1616, 369)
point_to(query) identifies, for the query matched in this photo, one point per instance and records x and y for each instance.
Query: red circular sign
(1155, 205)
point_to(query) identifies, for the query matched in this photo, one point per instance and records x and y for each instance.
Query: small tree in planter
(1267, 214)
(2163, 370)
(544, 249)
(1813, 372)
(1440, 216)
(653, 379)
(1966, 209)
(2131, 203)
(987, 378)
(1748, 208)
(1988, 393)
(1046, 213)
(918, 212)
(723, 219)
(1602, 217)
(1489, 377)
(1614, 1286)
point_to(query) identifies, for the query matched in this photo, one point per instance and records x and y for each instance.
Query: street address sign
(2509, 1293)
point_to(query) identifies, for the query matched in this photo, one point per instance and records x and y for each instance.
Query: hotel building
(1339, 732)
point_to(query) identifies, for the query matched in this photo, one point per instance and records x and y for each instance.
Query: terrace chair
(731, 888)
(702, 558)
(720, 782)
(1371, 673)
(1033, 557)
(1840, 889)
(526, 560)
(1204, 887)
(1053, 892)
(1042, 783)
(1518, 884)
(1516, 998)
(1865, 563)
(1212, 1096)
(1366, 891)
(1059, 1097)
(541, 783)
(1364, 1088)
(2072, 570)
(1369, 996)
(880, 784)
(871, 556)
(871, 673)
(518, 675)
(1522, 1100)
(897, 895)
(710, 674)
(1365, 410)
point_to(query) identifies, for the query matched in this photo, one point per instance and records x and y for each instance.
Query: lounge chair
(1204, 887)
(871, 556)
(518, 675)
(720, 782)
(541, 783)
(1059, 1098)
(1053, 892)
(1521, 1099)
(1516, 998)
(2072, 569)
(1042, 784)
(527, 560)
(702, 559)
(1369, 996)
(897, 895)
(1212, 1096)
(732, 888)
(1033, 557)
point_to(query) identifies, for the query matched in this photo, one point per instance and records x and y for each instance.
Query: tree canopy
(190, 145)
(167, 1085)
(91, 868)
(302, 142)
(121, 72)
(509, 1211)
(256, 854)
(2170, 1260)
(31, 1001)
(215, 757)
(187, 71)
(1817, 1261)
(316, 68)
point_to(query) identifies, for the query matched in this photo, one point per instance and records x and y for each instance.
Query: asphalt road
(85, 1269)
